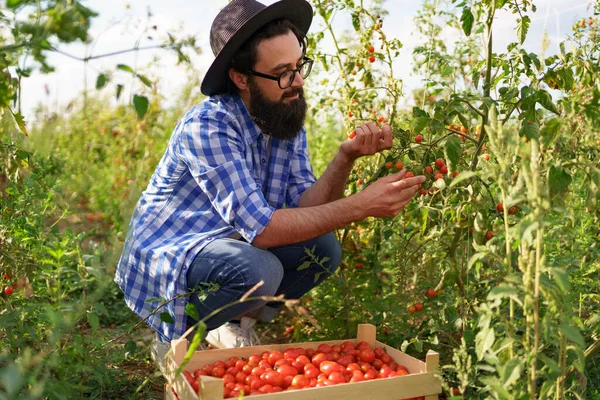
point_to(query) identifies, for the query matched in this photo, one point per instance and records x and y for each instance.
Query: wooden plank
(432, 365)
(402, 387)
(367, 333)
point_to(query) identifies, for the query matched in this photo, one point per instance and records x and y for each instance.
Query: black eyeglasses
(286, 79)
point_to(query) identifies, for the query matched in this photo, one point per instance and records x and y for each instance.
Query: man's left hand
(369, 140)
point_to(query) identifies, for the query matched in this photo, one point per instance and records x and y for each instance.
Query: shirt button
(264, 160)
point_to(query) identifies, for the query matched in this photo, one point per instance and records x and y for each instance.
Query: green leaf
(545, 101)
(100, 309)
(550, 131)
(140, 103)
(154, 300)
(20, 120)
(562, 279)
(166, 317)
(467, 20)
(119, 90)
(93, 320)
(464, 175)
(531, 130)
(144, 80)
(423, 217)
(558, 179)
(192, 311)
(11, 379)
(484, 341)
(522, 28)
(101, 81)
(512, 372)
(304, 265)
(420, 123)
(572, 334)
(356, 21)
(452, 151)
(125, 68)
(502, 291)
(130, 347)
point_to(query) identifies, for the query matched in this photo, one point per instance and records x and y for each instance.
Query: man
(234, 201)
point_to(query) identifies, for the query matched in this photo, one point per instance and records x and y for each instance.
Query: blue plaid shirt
(208, 185)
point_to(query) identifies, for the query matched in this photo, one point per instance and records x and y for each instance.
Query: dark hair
(245, 58)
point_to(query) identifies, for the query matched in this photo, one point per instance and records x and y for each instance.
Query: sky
(121, 22)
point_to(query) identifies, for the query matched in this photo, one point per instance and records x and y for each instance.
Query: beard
(280, 119)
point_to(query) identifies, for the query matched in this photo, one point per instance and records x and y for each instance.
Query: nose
(298, 80)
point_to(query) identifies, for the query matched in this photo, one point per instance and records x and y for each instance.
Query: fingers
(409, 182)
(387, 137)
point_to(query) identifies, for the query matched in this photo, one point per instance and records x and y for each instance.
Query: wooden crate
(422, 381)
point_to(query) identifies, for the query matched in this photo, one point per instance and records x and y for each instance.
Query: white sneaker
(231, 335)
(159, 350)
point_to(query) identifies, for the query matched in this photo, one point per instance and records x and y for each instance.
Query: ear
(240, 80)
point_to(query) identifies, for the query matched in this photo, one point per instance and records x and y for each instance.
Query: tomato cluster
(298, 368)
(10, 289)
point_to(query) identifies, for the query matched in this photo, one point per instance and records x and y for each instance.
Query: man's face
(281, 112)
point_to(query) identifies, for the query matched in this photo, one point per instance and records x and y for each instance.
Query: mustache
(297, 91)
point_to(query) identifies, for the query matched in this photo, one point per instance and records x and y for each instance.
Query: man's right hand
(387, 196)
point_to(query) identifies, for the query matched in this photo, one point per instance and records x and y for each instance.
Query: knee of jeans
(267, 269)
(329, 246)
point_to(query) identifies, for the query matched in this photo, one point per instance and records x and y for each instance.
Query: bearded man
(234, 200)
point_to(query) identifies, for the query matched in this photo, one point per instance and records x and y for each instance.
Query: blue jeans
(237, 266)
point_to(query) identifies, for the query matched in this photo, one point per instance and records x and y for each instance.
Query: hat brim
(299, 12)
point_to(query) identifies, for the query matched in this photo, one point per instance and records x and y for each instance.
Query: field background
(501, 251)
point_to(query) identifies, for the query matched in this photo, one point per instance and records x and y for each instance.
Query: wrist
(345, 159)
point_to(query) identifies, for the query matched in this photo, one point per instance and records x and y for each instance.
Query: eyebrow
(283, 65)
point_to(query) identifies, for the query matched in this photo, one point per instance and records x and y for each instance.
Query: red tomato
(273, 378)
(370, 375)
(327, 367)
(440, 162)
(357, 376)
(377, 364)
(371, 49)
(431, 293)
(218, 372)
(409, 175)
(291, 353)
(366, 355)
(371, 59)
(337, 377)
(8, 290)
(378, 352)
(418, 138)
(386, 359)
(300, 381)
(324, 348)
(418, 307)
(195, 385)
(318, 359)
(231, 362)
(353, 367)
(428, 170)
(311, 372)
(254, 359)
(345, 360)
(439, 176)
(384, 372)
(444, 169)
(287, 370)
(399, 165)
(273, 357)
